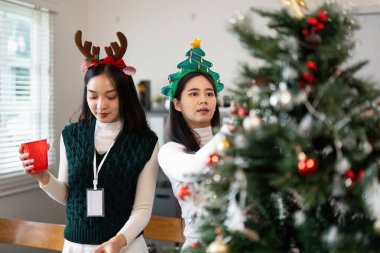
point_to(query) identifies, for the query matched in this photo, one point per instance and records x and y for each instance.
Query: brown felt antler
(115, 51)
(86, 48)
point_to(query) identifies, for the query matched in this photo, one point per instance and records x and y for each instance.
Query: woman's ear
(177, 104)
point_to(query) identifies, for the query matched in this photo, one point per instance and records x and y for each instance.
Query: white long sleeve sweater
(105, 133)
(179, 167)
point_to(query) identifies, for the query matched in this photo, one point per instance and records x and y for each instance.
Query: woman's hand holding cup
(33, 156)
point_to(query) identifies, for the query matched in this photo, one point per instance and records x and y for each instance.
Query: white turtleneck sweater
(181, 167)
(105, 134)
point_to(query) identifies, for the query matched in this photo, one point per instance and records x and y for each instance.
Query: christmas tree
(301, 171)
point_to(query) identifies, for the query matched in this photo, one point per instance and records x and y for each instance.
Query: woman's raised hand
(232, 111)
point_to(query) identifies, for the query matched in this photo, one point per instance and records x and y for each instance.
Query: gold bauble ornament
(376, 227)
(296, 5)
(225, 143)
(301, 3)
(218, 246)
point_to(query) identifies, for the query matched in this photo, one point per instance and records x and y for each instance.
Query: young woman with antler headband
(108, 160)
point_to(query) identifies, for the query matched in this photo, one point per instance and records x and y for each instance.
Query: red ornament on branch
(352, 177)
(305, 32)
(351, 174)
(301, 84)
(212, 159)
(360, 174)
(322, 16)
(306, 76)
(242, 112)
(319, 27)
(311, 65)
(307, 166)
(316, 24)
(312, 21)
(195, 244)
(183, 192)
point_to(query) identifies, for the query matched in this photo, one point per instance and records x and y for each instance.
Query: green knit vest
(118, 177)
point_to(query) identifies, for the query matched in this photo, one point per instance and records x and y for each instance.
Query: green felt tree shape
(195, 62)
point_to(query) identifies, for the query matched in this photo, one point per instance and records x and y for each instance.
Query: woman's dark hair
(178, 130)
(132, 115)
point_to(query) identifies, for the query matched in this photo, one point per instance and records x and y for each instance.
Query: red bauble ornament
(311, 65)
(307, 166)
(301, 84)
(212, 159)
(319, 27)
(305, 32)
(242, 112)
(350, 174)
(195, 244)
(322, 16)
(312, 21)
(360, 174)
(309, 78)
(183, 192)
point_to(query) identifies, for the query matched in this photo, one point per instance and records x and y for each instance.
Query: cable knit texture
(118, 175)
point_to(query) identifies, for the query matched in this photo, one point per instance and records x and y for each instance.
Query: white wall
(159, 33)
(368, 41)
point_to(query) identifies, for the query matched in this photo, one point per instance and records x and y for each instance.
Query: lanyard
(96, 171)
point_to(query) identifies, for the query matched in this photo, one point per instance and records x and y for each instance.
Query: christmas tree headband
(114, 53)
(193, 63)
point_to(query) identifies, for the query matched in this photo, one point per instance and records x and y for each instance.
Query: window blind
(26, 88)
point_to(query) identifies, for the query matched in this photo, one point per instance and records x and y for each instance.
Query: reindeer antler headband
(115, 53)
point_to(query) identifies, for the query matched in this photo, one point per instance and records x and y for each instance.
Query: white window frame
(40, 109)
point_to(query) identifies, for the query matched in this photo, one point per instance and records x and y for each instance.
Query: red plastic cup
(38, 151)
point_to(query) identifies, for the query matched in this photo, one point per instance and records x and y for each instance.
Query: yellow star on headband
(196, 43)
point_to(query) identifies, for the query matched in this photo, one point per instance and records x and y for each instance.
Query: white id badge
(95, 203)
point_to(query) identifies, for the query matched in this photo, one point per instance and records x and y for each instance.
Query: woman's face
(103, 99)
(197, 102)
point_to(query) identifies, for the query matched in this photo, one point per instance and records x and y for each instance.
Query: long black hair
(178, 130)
(132, 115)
